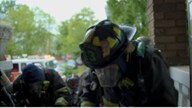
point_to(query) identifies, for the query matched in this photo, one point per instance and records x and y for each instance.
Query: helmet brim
(129, 31)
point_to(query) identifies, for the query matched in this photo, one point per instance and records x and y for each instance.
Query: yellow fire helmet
(104, 43)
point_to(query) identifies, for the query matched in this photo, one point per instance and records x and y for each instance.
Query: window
(15, 68)
(50, 64)
(23, 65)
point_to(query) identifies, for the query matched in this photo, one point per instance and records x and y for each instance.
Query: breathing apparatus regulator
(72, 82)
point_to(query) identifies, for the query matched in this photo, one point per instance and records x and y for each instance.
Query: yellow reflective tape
(111, 41)
(117, 30)
(87, 104)
(61, 102)
(46, 84)
(96, 41)
(126, 83)
(62, 90)
(109, 104)
(27, 101)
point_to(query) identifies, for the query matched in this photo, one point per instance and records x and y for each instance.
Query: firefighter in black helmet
(37, 87)
(72, 82)
(123, 72)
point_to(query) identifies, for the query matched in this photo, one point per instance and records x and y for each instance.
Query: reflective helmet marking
(112, 41)
(117, 31)
(96, 41)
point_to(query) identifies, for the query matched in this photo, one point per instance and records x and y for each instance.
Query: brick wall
(168, 29)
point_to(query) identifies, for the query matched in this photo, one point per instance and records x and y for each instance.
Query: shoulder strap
(139, 49)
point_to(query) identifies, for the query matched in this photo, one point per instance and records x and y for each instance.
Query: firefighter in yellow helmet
(123, 72)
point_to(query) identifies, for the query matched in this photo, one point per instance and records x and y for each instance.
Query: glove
(87, 104)
(61, 102)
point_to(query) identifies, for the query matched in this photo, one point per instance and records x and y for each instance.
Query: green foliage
(32, 30)
(5, 5)
(20, 31)
(131, 12)
(72, 32)
(77, 71)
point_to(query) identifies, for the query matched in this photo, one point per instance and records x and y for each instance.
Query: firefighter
(72, 82)
(123, 72)
(40, 87)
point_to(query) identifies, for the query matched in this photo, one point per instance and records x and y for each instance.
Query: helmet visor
(108, 76)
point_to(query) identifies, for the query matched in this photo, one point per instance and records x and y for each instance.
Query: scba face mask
(109, 75)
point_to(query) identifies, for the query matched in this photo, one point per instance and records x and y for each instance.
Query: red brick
(169, 53)
(175, 15)
(164, 23)
(164, 8)
(159, 15)
(158, 1)
(169, 1)
(165, 39)
(176, 30)
(159, 31)
(169, 20)
(182, 53)
(181, 22)
(180, 1)
(174, 1)
(182, 38)
(181, 6)
(160, 45)
(175, 46)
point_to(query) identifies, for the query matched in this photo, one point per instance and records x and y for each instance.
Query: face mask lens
(108, 76)
(91, 55)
